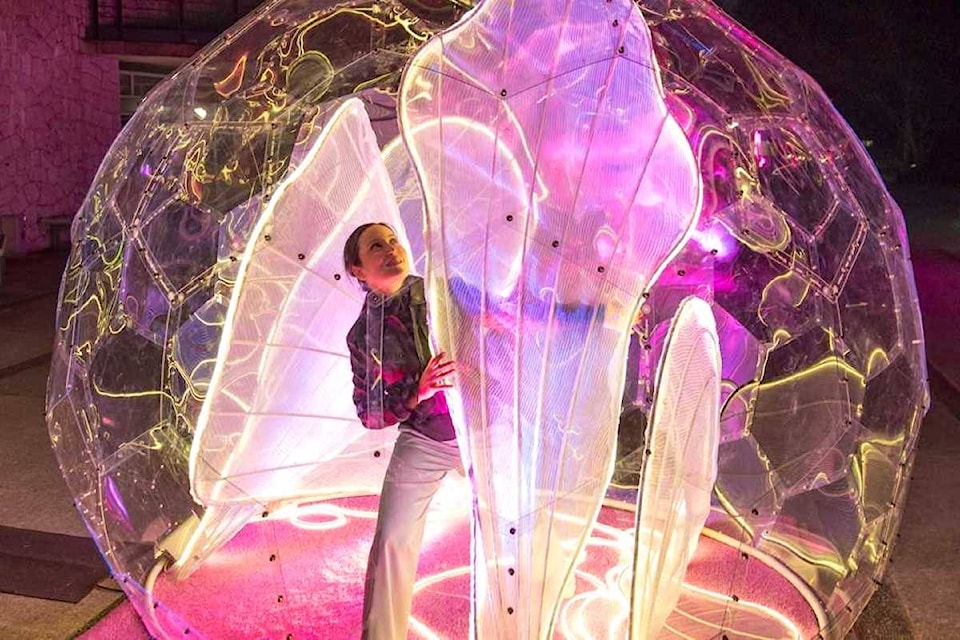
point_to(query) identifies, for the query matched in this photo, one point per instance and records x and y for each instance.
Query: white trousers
(417, 467)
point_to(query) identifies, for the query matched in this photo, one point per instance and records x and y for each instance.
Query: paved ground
(920, 595)
(32, 492)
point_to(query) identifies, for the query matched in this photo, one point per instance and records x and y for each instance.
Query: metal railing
(163, 21)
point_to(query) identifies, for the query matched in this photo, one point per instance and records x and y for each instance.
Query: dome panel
(799, 250)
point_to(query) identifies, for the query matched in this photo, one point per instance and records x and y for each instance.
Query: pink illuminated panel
(556, 186)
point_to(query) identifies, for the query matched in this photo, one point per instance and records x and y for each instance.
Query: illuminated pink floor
(302, 577)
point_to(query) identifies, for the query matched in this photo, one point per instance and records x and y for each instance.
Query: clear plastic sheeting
(533, 152)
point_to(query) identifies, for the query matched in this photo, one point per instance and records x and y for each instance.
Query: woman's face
(383, 262)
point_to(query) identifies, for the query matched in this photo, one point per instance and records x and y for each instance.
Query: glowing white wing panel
(679, 473)
(279, 422)
(556, 185)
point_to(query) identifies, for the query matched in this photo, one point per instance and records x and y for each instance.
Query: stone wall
(59, 113)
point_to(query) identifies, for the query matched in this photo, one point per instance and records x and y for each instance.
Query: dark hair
(351, 248)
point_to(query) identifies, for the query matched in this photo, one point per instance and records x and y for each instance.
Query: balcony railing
(194, 22)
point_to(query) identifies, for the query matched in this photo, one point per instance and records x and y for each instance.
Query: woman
(397, 382)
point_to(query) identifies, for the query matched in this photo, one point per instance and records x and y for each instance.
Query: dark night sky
(892, 68)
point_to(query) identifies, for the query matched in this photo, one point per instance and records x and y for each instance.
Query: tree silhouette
(890, 69)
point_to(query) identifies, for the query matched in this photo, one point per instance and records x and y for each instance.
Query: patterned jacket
(389, 350)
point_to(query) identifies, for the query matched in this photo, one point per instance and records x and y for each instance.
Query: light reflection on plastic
(807, 553)
(717, 241)
(758, 150)
(231, 82)
(115, 502)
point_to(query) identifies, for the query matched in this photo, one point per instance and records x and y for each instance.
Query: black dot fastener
(616, 23)
(600, 269)
(264, 514)
(755, 512)
(336, 276)
(300, 256)
(233, 258)
(510, 610)
(511, 571)
(280, 598)
(735, 598)
(273, 557)
(513, 531)
(503, 93)
(555, 244)
(510, 218)
(376, 454)
(267, 237)
(621, 50)
(744, 555)
(681, 272)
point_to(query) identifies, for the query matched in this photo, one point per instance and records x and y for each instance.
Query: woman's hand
(434, 378)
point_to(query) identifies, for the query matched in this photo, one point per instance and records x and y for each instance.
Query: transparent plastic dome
(207, 252)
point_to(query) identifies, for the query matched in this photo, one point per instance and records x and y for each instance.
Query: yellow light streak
(837, 567)
(230, 83)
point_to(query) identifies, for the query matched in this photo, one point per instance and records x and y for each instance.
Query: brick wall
(59, 112)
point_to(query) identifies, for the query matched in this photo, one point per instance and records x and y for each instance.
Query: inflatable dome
(690, 361)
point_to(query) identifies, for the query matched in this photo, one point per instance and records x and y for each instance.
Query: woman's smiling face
(383, 261)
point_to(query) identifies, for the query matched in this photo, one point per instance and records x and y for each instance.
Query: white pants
(417, 467)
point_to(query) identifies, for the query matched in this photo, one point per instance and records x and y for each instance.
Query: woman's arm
(378, 406)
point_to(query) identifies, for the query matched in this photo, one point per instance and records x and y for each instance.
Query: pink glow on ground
(319, 573)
